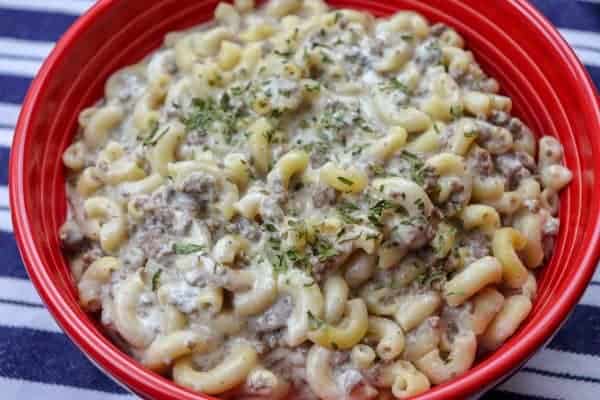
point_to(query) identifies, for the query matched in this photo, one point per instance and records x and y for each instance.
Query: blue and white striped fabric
(37, 361)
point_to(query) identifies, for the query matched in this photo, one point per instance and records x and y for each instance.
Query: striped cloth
(37, 361)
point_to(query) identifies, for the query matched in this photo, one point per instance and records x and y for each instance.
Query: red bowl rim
(144, 382)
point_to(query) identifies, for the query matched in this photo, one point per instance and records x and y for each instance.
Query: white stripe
(562, 362)
(596, 277)
(20, 389)
(532, 384)
(579, 38)
(9, 113)
(589, 57)
(75, 7)
(591, 297)
(25, 48)
(3, 201)
(18, 290)
(26, 68)
(5, 221)
(15, 316)
(6, 137)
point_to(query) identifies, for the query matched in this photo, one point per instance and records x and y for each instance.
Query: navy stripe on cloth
(4, 158)
(11, 260)
(500, 395)
(19, 24)
(562, 376)
(580, 15)
(55, 358)
(595, 73)
(581, 333)
(14, 88)
(21, 303)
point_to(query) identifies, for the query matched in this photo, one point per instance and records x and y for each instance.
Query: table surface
(38, 361)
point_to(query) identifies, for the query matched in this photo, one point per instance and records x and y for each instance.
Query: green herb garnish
(275, 243)
(270, 227)
(323, 249)
(420, 204)
(154, 136)
(156, 280)
(314, 323)
(456, 111)
(269, 135)
(394, 84)
(284, 54)
(357, 149)
(428, 277)
(345, 211)
(345, 181)
(376, 212)
(377, 170)
(418, 168)
(325, 59)
(187, 248)
(209, 115)
(280, 265)
(312, 87)
(298, 260)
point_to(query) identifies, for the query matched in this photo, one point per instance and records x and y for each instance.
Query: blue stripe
(21, 303)
(580, 15)
(50, 358)
(581, 333)
(33, 25)
(4, 158)
(595, 74)
(562, 376)
(501, 395)
(12, 266)
(14, 88)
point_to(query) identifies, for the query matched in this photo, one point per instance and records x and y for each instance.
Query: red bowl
(551, 92)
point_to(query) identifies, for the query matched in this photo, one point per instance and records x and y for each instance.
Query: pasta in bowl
(298, 200)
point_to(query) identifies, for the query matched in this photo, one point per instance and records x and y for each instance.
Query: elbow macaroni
(505, 244)
(231, 372)
(472, 279)
(348, 333)
(126, 319)
(92, 280)
(389, 336)
(462, 355)
(112, 225)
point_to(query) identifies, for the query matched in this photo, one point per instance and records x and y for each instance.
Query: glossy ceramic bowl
(550, 89)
